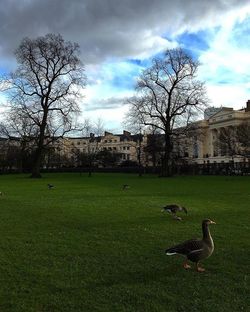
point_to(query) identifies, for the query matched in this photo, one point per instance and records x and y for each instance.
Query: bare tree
(20, 130)
(235, 140)
(45, 89)
(243, 135)
(135, 126)
(168, 96)
(93, 131)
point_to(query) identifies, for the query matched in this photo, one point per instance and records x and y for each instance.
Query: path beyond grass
(86, 245)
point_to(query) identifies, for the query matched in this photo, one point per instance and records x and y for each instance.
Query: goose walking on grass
(50, 186)
(195, 250)
(125, 187)
(173, 209)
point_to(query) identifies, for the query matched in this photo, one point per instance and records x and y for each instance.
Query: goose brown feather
(173, 209)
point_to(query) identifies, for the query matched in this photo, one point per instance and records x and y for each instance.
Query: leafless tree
(92, 131)
(18, 129)
(45, 89)
(137, 128)
(235, 140)
(243, 135)
(169, 95)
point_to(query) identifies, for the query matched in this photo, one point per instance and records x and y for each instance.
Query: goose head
(208, 221)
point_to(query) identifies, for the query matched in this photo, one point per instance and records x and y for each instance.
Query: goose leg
(199, 269)
(186, 265)
(175, 217)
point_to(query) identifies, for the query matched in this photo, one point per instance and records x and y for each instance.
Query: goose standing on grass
(173, 209)
(194, 249)
(50, 186)
(125, 187)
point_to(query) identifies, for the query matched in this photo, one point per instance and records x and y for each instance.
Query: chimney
(248, 106)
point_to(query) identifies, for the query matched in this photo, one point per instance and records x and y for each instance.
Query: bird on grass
(173, 209)
(195, 250)
(1, 193)
(125, 187)
(50, 186)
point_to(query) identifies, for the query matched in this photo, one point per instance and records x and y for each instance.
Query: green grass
(89, 246)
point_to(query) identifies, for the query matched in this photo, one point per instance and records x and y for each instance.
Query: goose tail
(170, 252)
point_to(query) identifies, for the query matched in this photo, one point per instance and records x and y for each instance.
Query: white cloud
(230, 95)
(226, 64)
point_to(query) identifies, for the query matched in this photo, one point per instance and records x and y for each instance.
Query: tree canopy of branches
(44, 90)
(234, 141)
(168, 95)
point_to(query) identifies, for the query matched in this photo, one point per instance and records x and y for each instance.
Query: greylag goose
(125, 187)
(194, 249)
(173, 209)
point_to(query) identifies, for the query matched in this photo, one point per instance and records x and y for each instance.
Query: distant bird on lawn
(194, 249)
(50, 186)
(125, 187)
(1, 193)
(173, 209)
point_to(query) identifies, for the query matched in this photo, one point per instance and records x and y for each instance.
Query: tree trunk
(40, 148)
(167, 170)
(36, 164)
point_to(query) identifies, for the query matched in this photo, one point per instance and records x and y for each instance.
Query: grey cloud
(108, 103)
(103, 28)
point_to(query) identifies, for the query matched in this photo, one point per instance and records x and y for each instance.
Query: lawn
(87, 245)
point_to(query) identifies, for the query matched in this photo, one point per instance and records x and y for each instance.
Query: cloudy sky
(118, 38)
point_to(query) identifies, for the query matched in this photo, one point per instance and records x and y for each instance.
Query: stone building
(129, 147)
(204, 145)
(200, 145)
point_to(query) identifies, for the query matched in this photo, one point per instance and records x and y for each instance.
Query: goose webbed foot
(186, 266)
(199, 269)
(177, 218)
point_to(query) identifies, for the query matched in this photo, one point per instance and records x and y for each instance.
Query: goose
(194, 249)
(50, 186)
(173, 209)
(125, 187)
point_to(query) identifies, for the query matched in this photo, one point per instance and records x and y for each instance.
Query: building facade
(212, 140)
(128, 147)
(200, 146)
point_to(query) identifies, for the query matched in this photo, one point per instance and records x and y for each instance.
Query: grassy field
(86, 245)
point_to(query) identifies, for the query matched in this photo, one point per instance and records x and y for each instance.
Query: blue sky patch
(195, 43)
